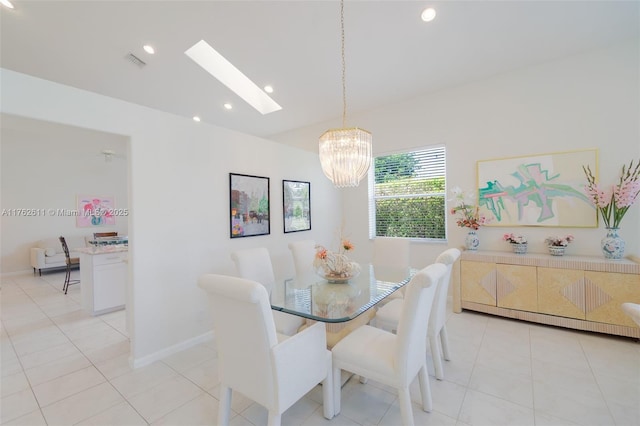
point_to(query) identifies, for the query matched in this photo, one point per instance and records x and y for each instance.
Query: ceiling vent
(137, 61)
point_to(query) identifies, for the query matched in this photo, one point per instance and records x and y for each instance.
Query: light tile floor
(60, 366)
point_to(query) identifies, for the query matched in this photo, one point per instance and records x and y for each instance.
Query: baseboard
(12, 274)
(156, 356)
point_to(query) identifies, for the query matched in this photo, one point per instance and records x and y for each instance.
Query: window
(407, 195)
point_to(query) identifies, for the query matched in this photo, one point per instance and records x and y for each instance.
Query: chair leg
(67, 278)
(224, 407)
(274, 419)
(327, 391)
(404, 398)
(434, 342)
(337, 390)
(425, 389)
(444, 338)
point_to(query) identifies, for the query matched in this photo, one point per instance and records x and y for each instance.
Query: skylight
(223, 70)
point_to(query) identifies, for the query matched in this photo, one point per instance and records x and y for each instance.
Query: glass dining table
(313, 297)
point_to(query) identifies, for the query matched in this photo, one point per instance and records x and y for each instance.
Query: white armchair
(633, 310)
(255, 264)
(303, 253)
(388, 316)
(394, 252)
(394, 359)
(251, 361)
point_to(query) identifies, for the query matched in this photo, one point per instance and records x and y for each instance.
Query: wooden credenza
(579, 292)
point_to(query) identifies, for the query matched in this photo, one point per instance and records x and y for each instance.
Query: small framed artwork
(249, 205)
(94, 211)
(538, 190)
(296, 205)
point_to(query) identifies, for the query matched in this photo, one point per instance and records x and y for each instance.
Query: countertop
(114, 248)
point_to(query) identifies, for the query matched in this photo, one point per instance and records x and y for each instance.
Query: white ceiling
(295, 46)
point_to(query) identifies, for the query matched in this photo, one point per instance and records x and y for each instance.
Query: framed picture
(538, 190)
(249, 204)
(94, 211)
(296, 205)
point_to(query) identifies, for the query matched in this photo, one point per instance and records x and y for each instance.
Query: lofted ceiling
(295, 47)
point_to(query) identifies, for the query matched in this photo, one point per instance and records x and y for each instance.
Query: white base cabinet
(103, 281)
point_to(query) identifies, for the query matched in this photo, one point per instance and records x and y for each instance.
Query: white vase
(472, 241)
(519, 248)
(556, 250)
(612, 245)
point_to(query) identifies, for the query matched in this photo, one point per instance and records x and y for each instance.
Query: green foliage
(407, 215)
(395, 166)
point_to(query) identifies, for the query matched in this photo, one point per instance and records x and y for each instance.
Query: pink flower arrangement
(613, 202)
(559, 241)
(514, 239)
(469, 215)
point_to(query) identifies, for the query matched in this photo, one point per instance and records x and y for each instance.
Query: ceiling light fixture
(149, 49)
(268, 88)
(7, 3)
(428, 15)
(196, 118)
(345, 154)
(228, 106)
(219, 67)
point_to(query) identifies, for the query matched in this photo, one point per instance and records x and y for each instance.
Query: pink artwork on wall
(94, 211)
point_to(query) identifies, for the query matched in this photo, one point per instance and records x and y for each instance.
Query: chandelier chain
(344, 80)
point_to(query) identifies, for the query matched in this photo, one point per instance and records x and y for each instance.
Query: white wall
(45, 166)
(585, 101)
(179, 202)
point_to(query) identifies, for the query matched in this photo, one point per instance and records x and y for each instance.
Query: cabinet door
(478, 282)
(109, 286)
(606, 291)
(561, 292)
(517, 287)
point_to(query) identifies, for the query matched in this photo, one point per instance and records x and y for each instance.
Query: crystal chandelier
(345, 154)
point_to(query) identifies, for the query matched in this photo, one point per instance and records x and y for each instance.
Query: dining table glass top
(311, 296)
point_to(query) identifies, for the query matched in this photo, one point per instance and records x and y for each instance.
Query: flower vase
(556, 250)
(519, 248)
(612, 245)
(472, 241)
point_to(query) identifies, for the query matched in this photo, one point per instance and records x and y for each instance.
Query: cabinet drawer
(108, 258)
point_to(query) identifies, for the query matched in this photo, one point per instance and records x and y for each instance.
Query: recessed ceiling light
(7, 3)
(228, 106)
(428, 14)
(219, 67)
(149, 49)
(268, 89)
(196, 118)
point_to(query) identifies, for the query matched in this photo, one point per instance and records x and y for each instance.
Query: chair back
(255, 264)
(65, 249)
(244, 333)
(303, 253)
(414, 319)
(391, 251)
(439, 311)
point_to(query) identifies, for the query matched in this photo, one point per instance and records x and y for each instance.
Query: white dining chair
(394, 359)
(392, 252)
(388, 316)
(250, 358)
(633, 310)
(255, 264)
(303, 253)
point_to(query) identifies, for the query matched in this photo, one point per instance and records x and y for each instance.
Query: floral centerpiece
(469, 215)
(518, 242)
(559, 241)
(614, 202)
(336, 267)
(557, 245)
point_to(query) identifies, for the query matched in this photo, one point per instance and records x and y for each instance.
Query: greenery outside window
(407, 195)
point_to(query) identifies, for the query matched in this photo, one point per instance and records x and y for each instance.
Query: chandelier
(345, 154)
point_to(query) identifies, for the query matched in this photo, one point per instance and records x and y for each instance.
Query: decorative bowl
(350, 271)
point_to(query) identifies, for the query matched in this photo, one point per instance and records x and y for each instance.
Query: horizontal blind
(407, 194)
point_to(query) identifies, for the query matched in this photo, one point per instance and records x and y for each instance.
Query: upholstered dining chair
(250, 358)
(388, 316)
(394, 359)
(255, 264)
(394, 252)
(303, 253)
(69, 261)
